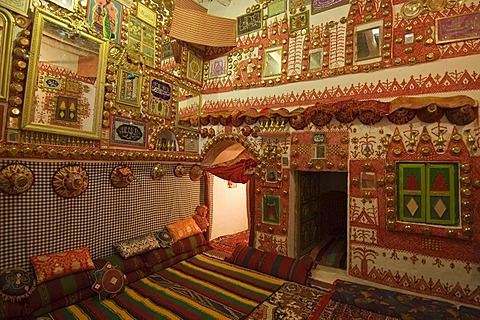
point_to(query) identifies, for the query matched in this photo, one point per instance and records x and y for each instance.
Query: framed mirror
(368, 40)
(66, 75)
(6, 33)
(272, 62)
(188, 109)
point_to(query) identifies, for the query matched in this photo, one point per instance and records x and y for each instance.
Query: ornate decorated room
(239, 159)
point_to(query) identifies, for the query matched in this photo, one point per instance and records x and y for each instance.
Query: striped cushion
(287, 268)
(284, 267)
(246, 257)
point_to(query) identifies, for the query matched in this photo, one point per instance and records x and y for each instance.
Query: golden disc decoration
(436, 5)
(196, 172)
(70, 181)
(158, 171)
(121, 176)
(15, 179)
(411, 9)
(179, 170)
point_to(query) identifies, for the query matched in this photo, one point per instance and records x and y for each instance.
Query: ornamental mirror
(368, 41)
(188, 108)
(272, 63)
(67, 74)
(6, 32)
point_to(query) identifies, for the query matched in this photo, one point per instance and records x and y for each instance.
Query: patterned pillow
(245, 256)
(164, 238)
(183, 229)
(55, 265)
(109, 281)
(135, 246)
(16, 284)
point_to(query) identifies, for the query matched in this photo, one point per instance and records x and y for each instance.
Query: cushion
(109, 281)
(135, 246)
(16, 284)
(55, 265)
(245, 256)
(189, 243)
(183, 229)
(297, 270)
(164, 238)
(201, 222)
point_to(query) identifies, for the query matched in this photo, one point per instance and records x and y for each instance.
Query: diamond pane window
(428, 193)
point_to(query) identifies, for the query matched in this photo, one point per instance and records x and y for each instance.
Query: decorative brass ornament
(15, 179)
(467, 231)
(121, 176)
(196, 172)
(411, 9)
(179, 171)
(456, 150)
(70, 181)
(425, 151)
(397, 151)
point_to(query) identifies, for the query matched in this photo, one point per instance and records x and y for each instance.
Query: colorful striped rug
(197, 288)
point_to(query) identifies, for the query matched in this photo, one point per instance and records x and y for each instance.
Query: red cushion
(284, 267)
(246, 257)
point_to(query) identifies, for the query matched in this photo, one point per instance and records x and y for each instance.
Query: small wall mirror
(368, 42)
(272, 63)
(6, 33)
(188, 109)
(66, 75)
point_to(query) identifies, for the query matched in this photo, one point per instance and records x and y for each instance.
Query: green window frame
(428, 193)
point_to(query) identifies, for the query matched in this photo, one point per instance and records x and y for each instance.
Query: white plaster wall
(229, 208)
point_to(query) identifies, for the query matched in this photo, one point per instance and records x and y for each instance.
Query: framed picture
(271, 175)
(323, 5)
(128, 133)
(146, 14)
(67, 4)
(271, 209)
(272, 62)
(276, 7)
(319, 151)
(106, 17)
(194, 67)
(249, 22)
(457, 28)
(19, 6)
(299, 21)
(218, 67)
(129, 88)
(367, 181)
(160, 98)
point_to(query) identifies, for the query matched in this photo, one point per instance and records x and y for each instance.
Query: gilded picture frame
(67, 4)
(7, 23)
(194, 70)
(299, 21)
(129, 88)
(457, 28)
(96, 18)
(249, 22)
(128, 133)
(18, 6)
(318, 6)
(160, 98)
(276, 7)
(74, 60)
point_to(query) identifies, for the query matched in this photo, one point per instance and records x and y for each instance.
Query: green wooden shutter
(442, 194)
(411, 195)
